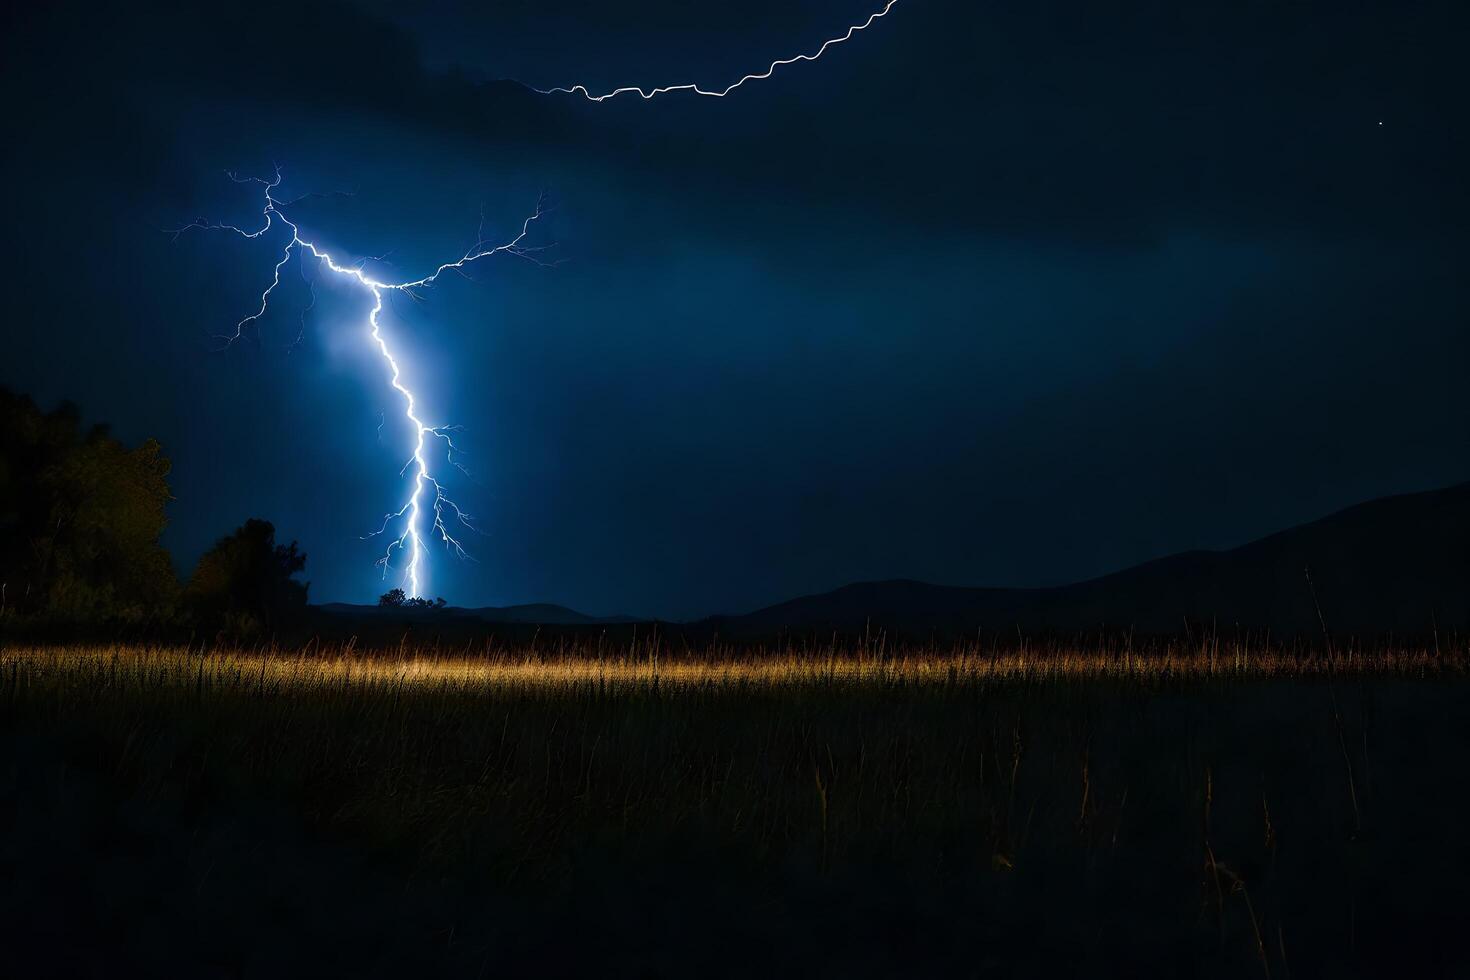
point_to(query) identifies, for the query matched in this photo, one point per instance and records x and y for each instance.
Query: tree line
(81, 518)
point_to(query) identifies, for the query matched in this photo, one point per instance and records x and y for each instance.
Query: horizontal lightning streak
(721, 93)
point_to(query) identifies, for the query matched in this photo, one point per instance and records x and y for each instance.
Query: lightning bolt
(408, 519)
(722, 92)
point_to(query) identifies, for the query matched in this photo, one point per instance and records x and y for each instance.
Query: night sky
(996, 293)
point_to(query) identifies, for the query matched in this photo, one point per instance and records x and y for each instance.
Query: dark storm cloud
(995, 293)
(1067, 120)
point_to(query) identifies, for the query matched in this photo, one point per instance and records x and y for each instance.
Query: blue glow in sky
(992, 294)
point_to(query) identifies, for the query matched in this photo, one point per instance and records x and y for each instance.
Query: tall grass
(346, 670)
(1249, 807)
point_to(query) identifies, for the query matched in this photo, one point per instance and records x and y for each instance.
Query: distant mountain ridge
(1398, 564)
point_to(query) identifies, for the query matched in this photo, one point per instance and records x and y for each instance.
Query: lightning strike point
(409, 519)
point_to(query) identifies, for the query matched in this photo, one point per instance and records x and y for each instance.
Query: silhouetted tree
(80, 518)
(244, 584)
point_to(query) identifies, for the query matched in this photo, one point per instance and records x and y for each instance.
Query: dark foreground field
(1216, 814)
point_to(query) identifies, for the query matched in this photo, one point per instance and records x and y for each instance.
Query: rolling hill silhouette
(1397, 565)
(1394, 565)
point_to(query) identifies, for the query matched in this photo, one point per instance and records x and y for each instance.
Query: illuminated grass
(344, 669)
(1215, 805)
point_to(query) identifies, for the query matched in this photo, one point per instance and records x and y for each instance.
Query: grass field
(1212, 812)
